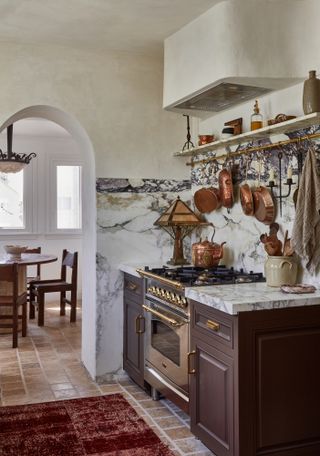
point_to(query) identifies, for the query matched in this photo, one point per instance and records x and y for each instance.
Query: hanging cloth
(306, 229)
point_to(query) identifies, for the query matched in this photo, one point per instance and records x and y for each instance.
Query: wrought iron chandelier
(11, 162)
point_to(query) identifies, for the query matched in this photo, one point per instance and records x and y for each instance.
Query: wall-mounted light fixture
(11, 162)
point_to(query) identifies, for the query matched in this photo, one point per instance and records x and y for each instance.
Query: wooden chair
(13, 295)
(37, 268)
(38, 289)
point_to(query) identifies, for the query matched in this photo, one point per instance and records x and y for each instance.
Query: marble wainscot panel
(126, 212)
(246, 297)
(242, 233)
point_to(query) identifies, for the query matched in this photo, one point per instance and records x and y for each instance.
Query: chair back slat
(10, 274)
(7, 273)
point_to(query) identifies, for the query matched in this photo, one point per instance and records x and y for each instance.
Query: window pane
(69, 197)
(11, 200)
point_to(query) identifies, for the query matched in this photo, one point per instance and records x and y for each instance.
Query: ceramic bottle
(311, 94)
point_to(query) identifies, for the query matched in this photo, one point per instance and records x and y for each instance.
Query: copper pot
(226, 188)
(207, 200)
(264, 209)
(206, 254)
(246, 199)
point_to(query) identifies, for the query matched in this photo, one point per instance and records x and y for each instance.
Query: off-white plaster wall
(248, 38)
(116, 97)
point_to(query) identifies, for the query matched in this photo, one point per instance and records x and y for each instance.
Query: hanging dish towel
(306, 229)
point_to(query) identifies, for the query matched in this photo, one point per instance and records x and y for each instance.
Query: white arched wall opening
(78, 133)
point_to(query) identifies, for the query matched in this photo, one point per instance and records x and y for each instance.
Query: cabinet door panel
(133, 341)
(211, 398)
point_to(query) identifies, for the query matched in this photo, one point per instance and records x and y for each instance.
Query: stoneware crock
(281, 270)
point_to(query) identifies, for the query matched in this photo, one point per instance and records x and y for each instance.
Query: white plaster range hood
(226, 93)
(238, 51)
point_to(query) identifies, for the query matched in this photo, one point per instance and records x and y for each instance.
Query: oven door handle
(169, 320)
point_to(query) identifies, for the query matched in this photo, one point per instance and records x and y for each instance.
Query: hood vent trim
(223, 96)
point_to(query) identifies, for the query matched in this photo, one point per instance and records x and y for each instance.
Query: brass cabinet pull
(169, 320)
(132, 286)
(213, 325)
(138, 327)
(191, 371)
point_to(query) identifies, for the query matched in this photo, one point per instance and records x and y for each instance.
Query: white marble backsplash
(243, 248)
(127, 210)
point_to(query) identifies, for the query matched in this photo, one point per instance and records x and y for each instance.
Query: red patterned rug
(96, 426)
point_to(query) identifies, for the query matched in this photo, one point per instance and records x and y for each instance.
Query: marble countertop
(236, 298)
(245, 297)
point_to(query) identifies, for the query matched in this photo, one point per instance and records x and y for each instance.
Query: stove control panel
(168, 296)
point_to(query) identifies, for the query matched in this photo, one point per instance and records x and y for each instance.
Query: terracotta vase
(311, 94)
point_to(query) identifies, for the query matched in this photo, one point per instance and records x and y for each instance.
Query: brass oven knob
(162, 293)
(168, 295)
(153, 290)
(173, 298)
(179, 301)
(184, 302)
(157, 291)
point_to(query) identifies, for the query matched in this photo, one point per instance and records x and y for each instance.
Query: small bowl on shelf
(14, 251)
(205, 139)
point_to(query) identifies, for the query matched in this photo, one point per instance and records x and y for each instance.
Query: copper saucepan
(226, 188)
(207, 199)
(246, 196)
(264, 209)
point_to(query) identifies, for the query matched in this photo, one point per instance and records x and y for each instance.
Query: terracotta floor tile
(47, 367)
(178, 433)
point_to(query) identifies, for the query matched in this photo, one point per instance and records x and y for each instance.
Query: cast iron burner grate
(193, 276)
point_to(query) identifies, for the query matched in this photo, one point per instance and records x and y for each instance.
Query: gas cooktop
(194, 276)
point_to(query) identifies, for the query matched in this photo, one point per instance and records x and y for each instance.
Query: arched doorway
(75, 129)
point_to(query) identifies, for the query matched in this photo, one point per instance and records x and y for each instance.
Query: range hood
(229, 92)
(223, 96)
(233, 54)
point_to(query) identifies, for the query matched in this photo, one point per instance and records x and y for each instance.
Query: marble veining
(246, 297)
(126, 233)
(113, 185)
(242, 233)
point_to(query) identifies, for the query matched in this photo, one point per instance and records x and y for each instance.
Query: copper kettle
(207, 254)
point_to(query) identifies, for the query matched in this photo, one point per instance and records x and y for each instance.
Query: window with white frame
(45, 197)
(11, 201)
(68, 197)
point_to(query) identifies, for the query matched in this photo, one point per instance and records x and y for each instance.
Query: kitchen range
(167, 314)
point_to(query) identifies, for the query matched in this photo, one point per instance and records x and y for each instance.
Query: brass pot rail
(250, 150)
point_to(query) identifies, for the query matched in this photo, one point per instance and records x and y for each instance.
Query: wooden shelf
(265, 132)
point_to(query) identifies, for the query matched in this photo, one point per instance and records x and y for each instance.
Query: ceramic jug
(280, 270)
(311, 94)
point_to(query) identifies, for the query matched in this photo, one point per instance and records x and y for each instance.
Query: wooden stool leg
(31, 306)
(15, 326)
(24, 319)
(40, 309)
(62, 303)
(73, 311)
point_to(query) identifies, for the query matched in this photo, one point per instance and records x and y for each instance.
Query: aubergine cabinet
(255, 381)
(133, 328)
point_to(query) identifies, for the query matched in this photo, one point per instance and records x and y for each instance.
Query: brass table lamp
(179, 221)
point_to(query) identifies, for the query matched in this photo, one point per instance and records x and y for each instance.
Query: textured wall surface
(127, 210)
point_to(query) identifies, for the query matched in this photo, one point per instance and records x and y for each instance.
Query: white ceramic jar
(280, 270)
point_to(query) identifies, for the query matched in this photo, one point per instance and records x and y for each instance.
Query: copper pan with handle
(207, 199)
(226, 188)
(246, 196)
(264, 208)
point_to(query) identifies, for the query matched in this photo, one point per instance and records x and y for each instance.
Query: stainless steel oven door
(167, 342)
